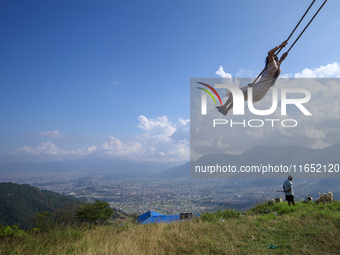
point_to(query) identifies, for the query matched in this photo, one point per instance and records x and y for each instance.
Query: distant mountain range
(273, 155)
(176, 172)
(116, 168)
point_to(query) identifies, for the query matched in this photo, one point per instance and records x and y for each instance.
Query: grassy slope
(304, 229)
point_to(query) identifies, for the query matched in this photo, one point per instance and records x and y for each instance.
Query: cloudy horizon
(167, 141)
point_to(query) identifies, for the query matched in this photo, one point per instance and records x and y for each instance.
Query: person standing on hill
(288, 190)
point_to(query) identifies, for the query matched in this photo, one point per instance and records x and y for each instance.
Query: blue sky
(75, 73)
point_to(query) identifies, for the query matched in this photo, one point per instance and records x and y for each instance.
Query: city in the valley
(170, 196)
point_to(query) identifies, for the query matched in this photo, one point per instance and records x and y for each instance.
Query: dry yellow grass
(252, 234)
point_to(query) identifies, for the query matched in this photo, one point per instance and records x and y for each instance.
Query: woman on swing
(268, 78)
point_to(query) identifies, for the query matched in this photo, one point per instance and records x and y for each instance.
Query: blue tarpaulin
(154, 217)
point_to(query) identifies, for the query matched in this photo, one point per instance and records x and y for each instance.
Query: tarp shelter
(154, 217)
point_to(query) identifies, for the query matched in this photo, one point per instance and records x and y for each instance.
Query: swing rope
(307, 25)
(251, 84)
(297, 25)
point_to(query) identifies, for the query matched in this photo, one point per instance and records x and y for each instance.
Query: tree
(67, 214)
(92, 213)
(43, 221)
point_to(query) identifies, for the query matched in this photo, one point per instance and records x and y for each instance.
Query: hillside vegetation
(18, 203)
(306, 228)
(26, 207)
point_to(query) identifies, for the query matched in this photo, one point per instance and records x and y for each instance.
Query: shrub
(98, 211)
(8, 231)
(44, 221)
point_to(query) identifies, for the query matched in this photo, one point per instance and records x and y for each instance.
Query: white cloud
(160, 126)
(91, 149)
(222, 74)
(330, 70)
(163, 140)
(316, 131)
(54, 133)
(118, 148)
(82, 152)
(244, 74)
(47, 148)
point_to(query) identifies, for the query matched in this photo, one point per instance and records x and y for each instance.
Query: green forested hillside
(20, 202)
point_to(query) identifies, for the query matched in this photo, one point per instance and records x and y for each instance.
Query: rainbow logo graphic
(209, 93)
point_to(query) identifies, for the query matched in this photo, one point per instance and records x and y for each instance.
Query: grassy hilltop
(306, 228)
